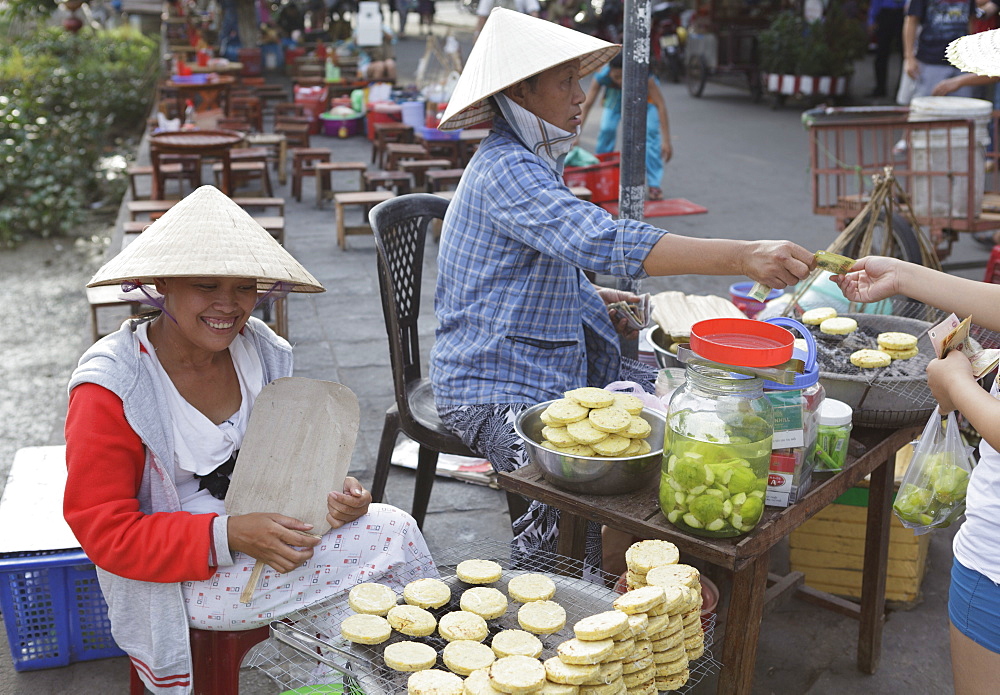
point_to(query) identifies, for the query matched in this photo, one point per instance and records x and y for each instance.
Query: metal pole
(635, 77)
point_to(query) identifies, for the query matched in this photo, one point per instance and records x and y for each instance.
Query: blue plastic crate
(53, 610)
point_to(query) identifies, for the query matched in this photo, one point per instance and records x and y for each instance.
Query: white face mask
(549, 142)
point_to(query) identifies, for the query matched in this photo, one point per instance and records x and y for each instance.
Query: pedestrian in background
(530, 7)
(658, 148)
(885, 24)
(426, 9)
(940, 22)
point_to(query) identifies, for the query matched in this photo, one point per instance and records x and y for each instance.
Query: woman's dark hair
(616, 62)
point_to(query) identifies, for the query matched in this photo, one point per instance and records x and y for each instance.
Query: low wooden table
(204, 143)
(747, 556)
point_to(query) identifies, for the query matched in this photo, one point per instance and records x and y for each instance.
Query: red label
(775, 480)
(782, 463)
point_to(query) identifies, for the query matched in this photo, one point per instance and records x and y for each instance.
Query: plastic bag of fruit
(932, 493)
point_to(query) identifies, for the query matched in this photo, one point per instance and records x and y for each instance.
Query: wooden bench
(366, 199)
(324, 178)
(396, 152)
(244, 170)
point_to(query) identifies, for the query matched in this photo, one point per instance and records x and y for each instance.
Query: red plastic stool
(216, 658)
(993, 267)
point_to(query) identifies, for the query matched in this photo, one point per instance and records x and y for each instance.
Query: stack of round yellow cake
(596, 422)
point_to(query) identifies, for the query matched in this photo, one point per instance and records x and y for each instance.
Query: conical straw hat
(512, 47)
(206, 234)
(976, 53)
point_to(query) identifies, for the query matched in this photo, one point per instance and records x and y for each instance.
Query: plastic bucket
(413, 113)
(709, 602)
(739, 294)
(341, 127)
(947, 150)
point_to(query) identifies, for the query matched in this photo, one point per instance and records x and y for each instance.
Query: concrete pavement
(747, 164)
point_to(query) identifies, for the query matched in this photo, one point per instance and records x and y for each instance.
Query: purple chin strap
(278, 290)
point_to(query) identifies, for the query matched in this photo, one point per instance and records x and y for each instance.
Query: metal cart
(941, 166)
(722, 44)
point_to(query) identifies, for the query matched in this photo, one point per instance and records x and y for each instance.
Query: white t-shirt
(977, 543)
(526, 6)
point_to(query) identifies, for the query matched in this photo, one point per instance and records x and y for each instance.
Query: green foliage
(67, 100)
(826, 47)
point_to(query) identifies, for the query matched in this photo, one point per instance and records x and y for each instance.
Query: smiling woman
(157, 414)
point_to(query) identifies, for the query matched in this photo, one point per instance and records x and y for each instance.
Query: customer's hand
(777, 264)
(912, 67)
(871, 278)
(273, 539)
(945, 374)
(344, 507)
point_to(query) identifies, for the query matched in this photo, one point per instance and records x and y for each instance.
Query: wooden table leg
(875, 566)
(572, 536)
(746, 608)
(282, 162)
(341, 231)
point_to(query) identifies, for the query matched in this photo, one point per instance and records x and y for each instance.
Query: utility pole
(635, 78)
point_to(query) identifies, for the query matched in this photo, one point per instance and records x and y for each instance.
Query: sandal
(654, 193)
(987, 239)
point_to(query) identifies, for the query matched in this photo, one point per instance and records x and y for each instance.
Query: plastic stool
(993, 267)
(216, 657)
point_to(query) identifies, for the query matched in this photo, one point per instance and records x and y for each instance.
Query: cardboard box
(829, 550)
(796, 422)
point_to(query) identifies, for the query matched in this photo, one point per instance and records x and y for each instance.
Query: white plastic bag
(932, 493)
(648, 399)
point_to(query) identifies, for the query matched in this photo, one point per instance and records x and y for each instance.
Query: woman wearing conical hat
(157, 413)
(519, 323)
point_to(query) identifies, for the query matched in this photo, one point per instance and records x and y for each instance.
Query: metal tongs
(314, 647)
(780, 373)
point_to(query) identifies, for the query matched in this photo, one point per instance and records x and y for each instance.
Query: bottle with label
(834, 434)
(189, 113)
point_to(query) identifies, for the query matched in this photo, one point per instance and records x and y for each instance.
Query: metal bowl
(660, 344)
(592, 475)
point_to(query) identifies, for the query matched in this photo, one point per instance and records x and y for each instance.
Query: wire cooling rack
(326, 656)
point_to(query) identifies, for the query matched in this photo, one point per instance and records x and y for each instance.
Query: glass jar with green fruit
(716, 453)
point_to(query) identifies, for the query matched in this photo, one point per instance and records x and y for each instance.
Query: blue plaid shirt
(518, 320)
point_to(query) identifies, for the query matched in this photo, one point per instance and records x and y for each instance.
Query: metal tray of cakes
(323, 657)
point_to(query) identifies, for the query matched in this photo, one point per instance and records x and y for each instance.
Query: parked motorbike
(668, 36)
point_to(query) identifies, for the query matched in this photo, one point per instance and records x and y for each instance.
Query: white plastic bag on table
(932, 493)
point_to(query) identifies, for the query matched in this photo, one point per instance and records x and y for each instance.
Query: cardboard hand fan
(297, 448)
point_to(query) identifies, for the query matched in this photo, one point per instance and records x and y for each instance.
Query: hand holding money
(952, 334)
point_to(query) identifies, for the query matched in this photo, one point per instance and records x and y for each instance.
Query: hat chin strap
(549, 142)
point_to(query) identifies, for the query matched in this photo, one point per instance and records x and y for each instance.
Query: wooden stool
(581, 192)
(396, 152)
(103, 297)
(324, 178)
(439, 178)
(296, 133)
(246, 170)
(303, 164)
(418, 167)
(277, 146)
(386, 133)
(366, 199)
(399, 181)
(270, 93)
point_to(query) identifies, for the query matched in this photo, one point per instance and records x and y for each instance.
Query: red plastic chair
(993, 267)
(216, 658)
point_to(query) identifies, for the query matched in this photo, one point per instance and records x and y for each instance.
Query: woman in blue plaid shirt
(519, 322)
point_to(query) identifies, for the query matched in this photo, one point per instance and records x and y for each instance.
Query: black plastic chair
(400, 228)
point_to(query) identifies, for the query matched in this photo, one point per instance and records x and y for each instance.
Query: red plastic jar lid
(742, 342)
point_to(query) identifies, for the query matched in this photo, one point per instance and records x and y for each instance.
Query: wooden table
(210, 92)
(747, 556)
(230, 68)
(277, 140)
(204, 143)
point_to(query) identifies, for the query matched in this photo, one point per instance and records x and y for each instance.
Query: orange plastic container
(602, 179)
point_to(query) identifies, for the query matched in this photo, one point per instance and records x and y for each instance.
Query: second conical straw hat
(977, 53)
(512, 47)
(206, 234)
